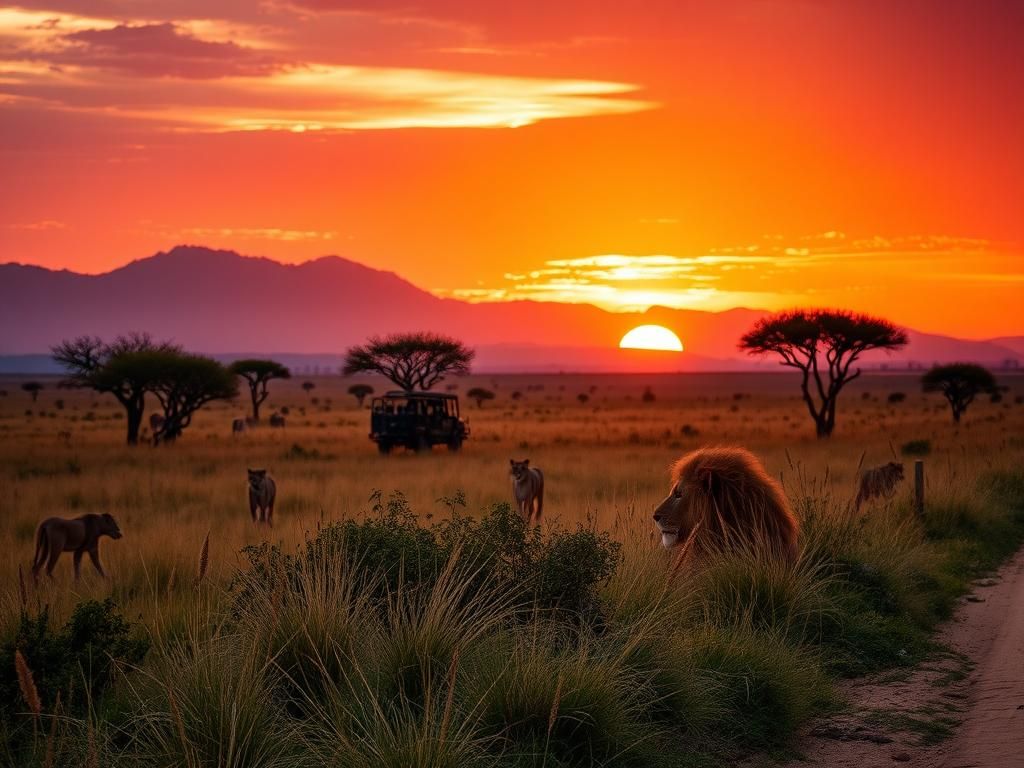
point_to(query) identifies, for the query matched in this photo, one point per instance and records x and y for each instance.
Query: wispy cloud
(259, 233)
(771, 273)
(196, 76)
(39, 226)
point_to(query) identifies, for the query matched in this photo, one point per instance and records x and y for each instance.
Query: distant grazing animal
(879, 482)
(80, 535)
(262, 492)
(722, 499)
(527, 490)
(237, 426)
(276, 420)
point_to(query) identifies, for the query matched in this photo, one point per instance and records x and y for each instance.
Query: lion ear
(526, 462)
(707, 478)
(512, 462)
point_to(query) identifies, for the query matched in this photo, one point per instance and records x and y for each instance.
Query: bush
(84, 652)
(916, 448)
(389, 552)
(896, 397)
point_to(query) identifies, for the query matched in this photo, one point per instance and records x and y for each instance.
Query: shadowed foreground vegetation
(424, 631)
(476, 641)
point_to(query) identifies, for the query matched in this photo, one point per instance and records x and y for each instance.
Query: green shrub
(916, 448)
(81, 654)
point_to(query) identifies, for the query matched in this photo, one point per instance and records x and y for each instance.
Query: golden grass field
(605, 460)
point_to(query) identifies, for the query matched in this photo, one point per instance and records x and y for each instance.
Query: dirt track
(964, 709)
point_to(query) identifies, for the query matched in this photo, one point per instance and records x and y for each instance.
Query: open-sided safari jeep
(416, 420)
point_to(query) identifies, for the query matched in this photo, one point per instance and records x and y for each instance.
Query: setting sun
(651, 337)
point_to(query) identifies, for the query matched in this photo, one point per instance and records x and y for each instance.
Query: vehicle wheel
(423, 445)
(384, 449)
(455, 445)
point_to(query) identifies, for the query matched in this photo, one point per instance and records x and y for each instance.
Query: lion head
(722, 498)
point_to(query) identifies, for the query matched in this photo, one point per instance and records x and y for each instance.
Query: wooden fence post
(919, 487)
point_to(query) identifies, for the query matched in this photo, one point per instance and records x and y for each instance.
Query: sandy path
(964, 709)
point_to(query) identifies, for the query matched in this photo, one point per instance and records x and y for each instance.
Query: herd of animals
(719, 499)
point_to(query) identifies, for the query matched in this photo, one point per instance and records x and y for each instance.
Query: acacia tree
(308, 386)
(411, 360)
(823, 345)
(258, 373)
(122, 368)
(184, 383)
(360, 392)
(33, 388)
(480, 395)
(960, 383)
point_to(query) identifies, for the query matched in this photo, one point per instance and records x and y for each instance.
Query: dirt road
(962, 709)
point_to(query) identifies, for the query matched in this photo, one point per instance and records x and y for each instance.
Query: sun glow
(651, 337)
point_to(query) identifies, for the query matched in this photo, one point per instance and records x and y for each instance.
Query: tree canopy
(360, 392)
(122, 368)
(257, 374)
(480, 395)
(183, 384)
(823, 345)
(960, 383)
(411, 360)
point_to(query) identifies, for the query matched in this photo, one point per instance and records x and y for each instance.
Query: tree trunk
(255, 407)
(134, 423)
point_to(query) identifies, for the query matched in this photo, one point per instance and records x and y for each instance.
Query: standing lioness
(527, 490)
(262, 492)
(56, 535)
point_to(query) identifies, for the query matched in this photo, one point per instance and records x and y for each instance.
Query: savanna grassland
(366, 628)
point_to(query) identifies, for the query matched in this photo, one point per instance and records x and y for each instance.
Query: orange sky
(765, 153)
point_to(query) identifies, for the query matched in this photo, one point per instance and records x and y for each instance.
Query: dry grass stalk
(27, 684)
(178, 722)
(453, 670)
(204, 559)
(22, 591)
(172, 581)
(555, 704)
(51, 739)
(92, 757)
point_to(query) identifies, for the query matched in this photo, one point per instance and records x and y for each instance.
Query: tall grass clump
(206, 699)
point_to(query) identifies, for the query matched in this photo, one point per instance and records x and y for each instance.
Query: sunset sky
(764, 153)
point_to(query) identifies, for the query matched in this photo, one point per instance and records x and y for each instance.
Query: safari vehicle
(416, 420)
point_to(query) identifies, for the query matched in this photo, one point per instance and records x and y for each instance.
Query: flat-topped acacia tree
(823, 345)
(258, 374)
(411, 360)
(959, 383)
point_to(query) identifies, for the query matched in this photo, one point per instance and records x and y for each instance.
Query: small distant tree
(823, 345)
(258, 374)
(583, 397)
(308, 386)
(480, 395)
(959, 383)
(33, 388)
(648, 395)
(123, 368)
(411, 360)
(360, 392)
(184, 383)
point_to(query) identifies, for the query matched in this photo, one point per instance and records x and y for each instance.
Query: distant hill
(217, 301)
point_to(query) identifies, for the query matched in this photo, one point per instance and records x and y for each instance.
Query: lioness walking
(262, 492)
(56, 535)
(527, 490)
(879, 482)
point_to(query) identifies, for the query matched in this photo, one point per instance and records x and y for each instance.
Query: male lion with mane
(722, 499)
